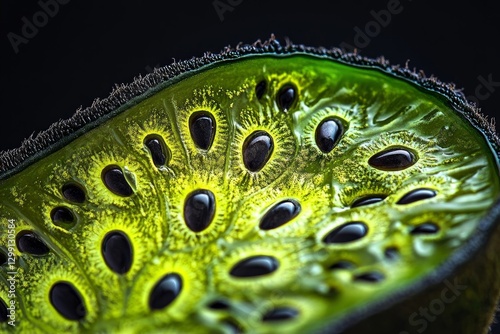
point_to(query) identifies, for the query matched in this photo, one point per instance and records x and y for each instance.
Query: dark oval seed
(417, 195)
(280, 214)
(219, 305)
(199, 210)
(344, 265)
(29, 242)
(117, 252)
(367, 200)
(260, 89)
(281, 313)
(425, 228)
(165, 291)
(62, 216)
(4, 313)
(372, 277)
(255, 266)
(286, 97)
(67, 301)
(328, 134)
(202, 128)
(393, 159)
(157, 149)
(257, 150)
(391, 253)
(115, 181)
(346, 233)
(73, 193)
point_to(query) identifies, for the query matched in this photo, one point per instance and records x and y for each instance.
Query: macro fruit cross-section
(268, 188)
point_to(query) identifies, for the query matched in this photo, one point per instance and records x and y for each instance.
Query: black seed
(280, 214)
(342, 265)
(115, 181)
(219, 305)
(328, 134)
(73, 193)
(391, 253)
(165, 291)
(199, 210)
(157, 148)
(61, 216)
(255, 266)
(67, 301)
(281, 313)
(202, 128)
(393, 159)
(29, 242)
(372, 277)
(117, 252)
(286, 97)
(367, 200)
(4, 313)
(3, 258)
(425, 228)
(417, 195)
(257, 150)
(346, 233)
(260, 89)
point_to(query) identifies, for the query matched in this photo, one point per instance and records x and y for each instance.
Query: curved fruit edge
(123, 96)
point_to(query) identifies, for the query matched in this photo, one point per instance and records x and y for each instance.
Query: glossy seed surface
(115, 181)
(199, 210)
(255, 266)
(67, 301)
(156, 147)
(367, 200)
(73, 193)
(202, 127)
(393, 159)
(29, 242)
(165, 291)
(346, 233)
(117, 252)
(280, 214)
(328, 134)
(417, 195)
(257, 150)
(286, 97)
(62, 215)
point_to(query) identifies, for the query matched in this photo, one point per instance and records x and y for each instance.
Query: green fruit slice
(265, 189)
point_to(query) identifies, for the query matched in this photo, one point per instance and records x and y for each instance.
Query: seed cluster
(276, 211)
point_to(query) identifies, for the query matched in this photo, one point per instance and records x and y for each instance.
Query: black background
(88, 46)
